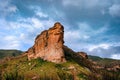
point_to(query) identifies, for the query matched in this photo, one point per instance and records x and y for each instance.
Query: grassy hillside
(94, 58)
(76, 68)
(104, 61)
(9, 53)
(22, 69)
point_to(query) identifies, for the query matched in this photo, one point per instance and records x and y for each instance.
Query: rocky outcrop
(49, 45)
(83, 54)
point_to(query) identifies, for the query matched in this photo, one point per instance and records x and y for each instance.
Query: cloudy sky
(92, 26)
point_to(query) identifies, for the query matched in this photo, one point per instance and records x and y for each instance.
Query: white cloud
(105, 50)
(86, 3)
(103, 45)
(114, 10)
(115, 56)
(22, 32)
(87, 31)
(3, 24)
(75, 39)
(41, 14)
(10, 42)
(37, 23)
(86, 37)
(84, 27)
(30, 24)
(79, 39)
(10, 38)
(6, 8)
(68, 2)
(74, 34)
(102, 29)
(38, 11)
(57, 14)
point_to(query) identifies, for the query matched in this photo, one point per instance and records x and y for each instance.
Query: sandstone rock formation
(83, 54)
(49, 45)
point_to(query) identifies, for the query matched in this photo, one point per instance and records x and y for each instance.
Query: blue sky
(92, 26)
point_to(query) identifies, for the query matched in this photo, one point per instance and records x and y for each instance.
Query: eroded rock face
(83, 54)
(49, 45)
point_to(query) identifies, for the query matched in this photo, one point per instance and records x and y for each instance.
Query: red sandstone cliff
(49, 45)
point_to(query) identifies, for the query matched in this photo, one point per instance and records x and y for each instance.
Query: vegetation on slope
(76, 68)
(104, 61)
(9, 53)
(37, 69)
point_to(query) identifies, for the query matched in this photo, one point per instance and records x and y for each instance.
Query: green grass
(9, 53)
(39, 69)
(104, 61)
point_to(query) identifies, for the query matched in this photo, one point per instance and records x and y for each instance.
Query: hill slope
(9, 53)
(38, 69)
(104, 61)
(76, 68)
